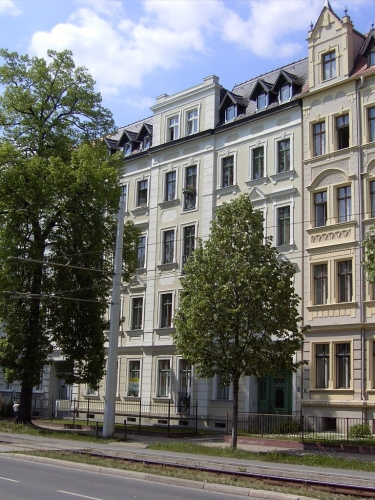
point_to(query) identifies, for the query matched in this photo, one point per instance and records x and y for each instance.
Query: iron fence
(304, 428)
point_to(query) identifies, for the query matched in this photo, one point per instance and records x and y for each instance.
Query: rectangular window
(372, 197)
(168, 246)
(137, 313)
(170, 186)
(320, 284)
(283, 226)
(319, 138)
(124, 194)
(320, 207)
(127, 148)
(222, 391)
(134, 376)
(189, 241)
(227, 172)
(342, 130)
(343, 366)
(258, 162)
(142, 193)
(261, 101)
(91, 391)
(173, 128)
(190, 191)
(141, 252)
(192, 122)
(230, 113)
(185, 377)
(371, 124)
(322, 365)
(344, 204)
(371, 57)
(283, 156)
(146, 142)
(166, 310)
(164, 378)
(345, 281)
(329, 65)
(284, 93)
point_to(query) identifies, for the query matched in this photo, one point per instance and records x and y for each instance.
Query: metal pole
(111, 382)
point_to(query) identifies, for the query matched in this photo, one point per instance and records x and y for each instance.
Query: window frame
(321, 206)
(228, 114)
(159, 373)
(319, 138)
(224, 168)
(127, 149)
(280, 154)
(372, 197)
(284, 86)
(190, 189)
(259, 99)
(146, 143)
(320, 283)
(344, 203)
(347, 362)
(173, 128)
(192, 120)
(134, 324)
(144, 237)
(345, 291)
(166, 184)
(343, 129)
(371, 57)
(284, 240)
(329, 65)
(258, 163)
(371, 123)
(139, 182)
(169, 242)
(163, 296)
(129, 379)
(185, 256)
(326, 361)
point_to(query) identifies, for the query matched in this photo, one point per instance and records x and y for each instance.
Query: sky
(137, 50)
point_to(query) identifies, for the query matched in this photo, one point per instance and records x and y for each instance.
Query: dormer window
(230, 113)
(371, 57)
(127, 148)
(284, 93)
(262, 101)
(146, 142)
(329, 65)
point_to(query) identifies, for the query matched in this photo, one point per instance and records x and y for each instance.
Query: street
(23, 480)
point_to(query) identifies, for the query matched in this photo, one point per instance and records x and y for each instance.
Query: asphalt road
(23, 480)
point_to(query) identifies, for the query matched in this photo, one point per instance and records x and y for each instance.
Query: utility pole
(114, 321)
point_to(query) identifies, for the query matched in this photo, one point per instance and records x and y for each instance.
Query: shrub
(359, 431)
(289, 427)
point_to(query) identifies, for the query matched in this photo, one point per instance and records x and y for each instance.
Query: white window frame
(170, 126)
(195, 120)
(125, 190)
(182, 233)
(146, 143)
(162, 233)
(136, 188)
(280, 202)
(221, 157)
(179, 360)
(331, 50)
(160, 302)
(165, 174)
(127, 149)
(278, 139)
(185, 167)
(286, 84)
(235, 110)
(157, 377)
(216, 387)
(143, 235)
(131, 312)
(266, 94)
(127, 391)
(253, 146)
(90, 391)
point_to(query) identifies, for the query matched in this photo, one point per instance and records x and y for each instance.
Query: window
(164, 378)
(320, 208)
(192, 122)
(258, 162)
(283, 226)
(322, 365)
(173, 129)
(141, 252)
(284, 93)
(146, 142)
(319, 138)
(261, 101)
(170, 186)
(329, 65)
(189, 242)
(372, 198)
(134, 375)
(345, 281)
(39, 387)
(320, 284)
(142, 193)
(283, 156)
(8, 386)
(371, 57)
(371, 124)
(127, 148)
(342, 129)
(344, 204)
(185, 376)
(190, 191)
(137, 313)
(222, 391)
(343, 366)
(166, 310)
(227, 171)
(230, 113)
(168, 246)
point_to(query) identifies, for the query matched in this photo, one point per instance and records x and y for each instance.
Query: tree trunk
(24, 410)
(235, 413)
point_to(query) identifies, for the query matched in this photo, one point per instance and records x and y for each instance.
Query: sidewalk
(135, 448)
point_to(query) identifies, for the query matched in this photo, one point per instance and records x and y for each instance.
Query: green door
(275, 393)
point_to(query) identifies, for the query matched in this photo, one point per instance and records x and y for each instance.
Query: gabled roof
(360, 66)
(327, 6)
(145, 130)
(234, 99)
(289, 78)
(261, 87)
(370, 39)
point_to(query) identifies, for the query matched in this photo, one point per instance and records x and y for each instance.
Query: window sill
(169, 203)
(330, 227)
(91, 396)
(132, 398)
(140, 210)
(282, 176)
(184, 209)
(163, 399)
(222, 191)
(337, 305)
(255, 182)
(168, 266)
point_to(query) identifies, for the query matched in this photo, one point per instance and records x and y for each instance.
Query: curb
(175, 481)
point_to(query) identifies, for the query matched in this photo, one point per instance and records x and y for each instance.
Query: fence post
(97, 430)
(74, 412)
(261, 424)
(124, 428)
(303, 426)
(88, 412)
(169, 417)
(51, 408)
(140, 414)
(227, 423)
(196, 417)
(347, 430)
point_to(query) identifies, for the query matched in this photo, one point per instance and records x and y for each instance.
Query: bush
(360, 431)
(289, 427)
(6, 410)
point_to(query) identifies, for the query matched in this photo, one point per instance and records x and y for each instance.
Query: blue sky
(137, 50)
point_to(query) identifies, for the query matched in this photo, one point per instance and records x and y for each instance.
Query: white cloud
(9, 7)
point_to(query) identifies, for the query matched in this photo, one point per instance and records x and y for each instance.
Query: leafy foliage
(369, 255)
(238, 311)
(359, 431)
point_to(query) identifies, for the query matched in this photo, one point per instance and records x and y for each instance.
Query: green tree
(59, 194)
(238, 311)
(369, 255)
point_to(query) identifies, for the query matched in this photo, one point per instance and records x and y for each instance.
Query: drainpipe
(361, 239)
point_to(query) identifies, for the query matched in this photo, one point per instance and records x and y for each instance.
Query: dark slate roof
(360, 66)
(297, 72)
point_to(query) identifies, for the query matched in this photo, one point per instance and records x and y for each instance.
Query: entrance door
(275, 393)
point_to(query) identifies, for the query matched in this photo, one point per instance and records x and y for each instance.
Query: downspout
(361, 238)
(303, 253)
